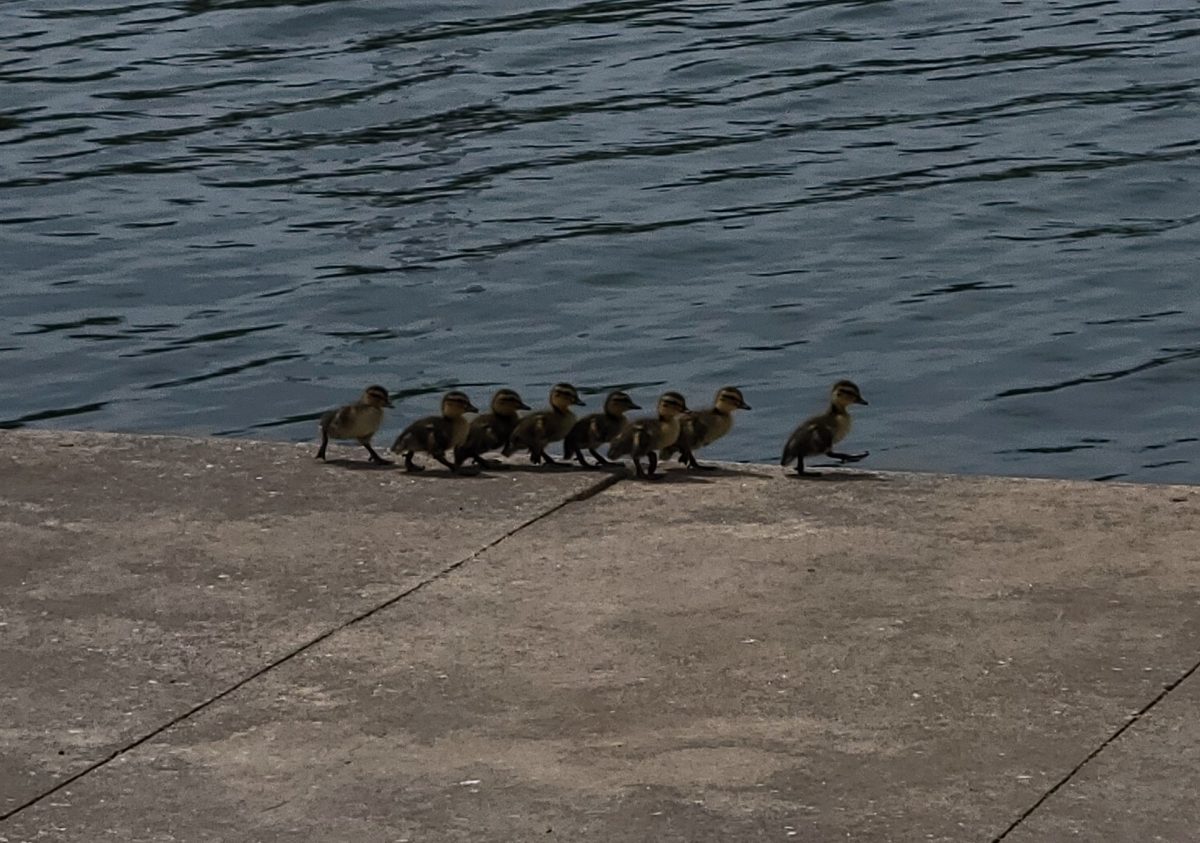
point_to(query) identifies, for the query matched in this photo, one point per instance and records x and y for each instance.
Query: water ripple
(248, 209)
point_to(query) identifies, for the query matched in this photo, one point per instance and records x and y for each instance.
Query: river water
(223, 217)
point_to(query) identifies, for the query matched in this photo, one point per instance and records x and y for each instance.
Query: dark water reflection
(221, 217)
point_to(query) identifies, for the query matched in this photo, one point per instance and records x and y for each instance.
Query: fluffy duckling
(490, 431)
(598, 429)
(435, 435)
(537, 430)
(818, 435)
(701, 428)
(646, 436)
(358, 421)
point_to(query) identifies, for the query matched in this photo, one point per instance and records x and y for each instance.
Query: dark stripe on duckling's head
(459, 400)
(507, 399)
(377, 395)
(673, 400)
(565, 393)
(619, 401)
(731, 395)
(848, 392)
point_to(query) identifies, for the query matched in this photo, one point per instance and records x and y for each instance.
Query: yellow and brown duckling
(647, 436)
(537, 430)
(700, 428)
(817, 435)
(490, 431)
(435, 435)
(598, 429)
(358, 421)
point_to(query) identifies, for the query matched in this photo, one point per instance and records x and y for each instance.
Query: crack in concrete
(591, 491)
(1134, 718)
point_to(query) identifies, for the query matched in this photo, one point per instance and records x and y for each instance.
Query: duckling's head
(376, 396)
(671, 404)
(845, 393)
(455, 403)
(506, 402)
(618, 403)
(563, 396)
(729, 398)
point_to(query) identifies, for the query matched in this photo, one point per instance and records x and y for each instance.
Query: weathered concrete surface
(143, 575)
(741, 657)
(1142, 787)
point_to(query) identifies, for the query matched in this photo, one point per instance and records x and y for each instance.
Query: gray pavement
(227, 641)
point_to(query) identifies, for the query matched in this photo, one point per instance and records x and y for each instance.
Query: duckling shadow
(836, 476)
(678, 477)
(361, 465)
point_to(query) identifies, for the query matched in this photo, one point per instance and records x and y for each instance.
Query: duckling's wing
(622, 444)
(328, 417)
(483, 434)
(422, 435)
(810, 438)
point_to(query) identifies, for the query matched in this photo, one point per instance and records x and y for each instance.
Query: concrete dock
(220, 640)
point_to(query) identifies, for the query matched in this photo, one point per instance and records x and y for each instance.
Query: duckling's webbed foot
(848, 457)
(409, 465)
(546, 459)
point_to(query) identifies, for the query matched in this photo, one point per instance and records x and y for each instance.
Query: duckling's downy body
(491, 431)
(817, 435)
(700, 428)
(435, 435)
(598, 429)
(646, 436)
(358, 421)
(537, 430)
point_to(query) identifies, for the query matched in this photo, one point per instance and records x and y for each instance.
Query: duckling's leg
(652, 466)
(802, 472)
(324, 444)
(688, 458)
(848, 457)
(440, 456)
(546, 458)
(409, 465)
(375, 458)
(637, 467)
(599, 459)
(574, 452)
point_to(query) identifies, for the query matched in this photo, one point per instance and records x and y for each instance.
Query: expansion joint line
(594, 489)
(1134, 718)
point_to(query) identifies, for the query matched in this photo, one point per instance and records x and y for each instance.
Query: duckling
(646, 436)
(818, 434)
(701, 428)
(490, 431)
(596, 429)
(435, 435)
(357, 421)
(537, 430)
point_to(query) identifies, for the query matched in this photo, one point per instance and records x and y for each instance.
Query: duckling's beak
(578, 402)
(633, 406)
(860, 400)
(745, 406)
(524, 406)
(388, 403)
(471, 408)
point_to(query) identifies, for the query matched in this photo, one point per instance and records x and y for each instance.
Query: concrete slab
(1141, 787)
(142, 576)
(739, 657)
